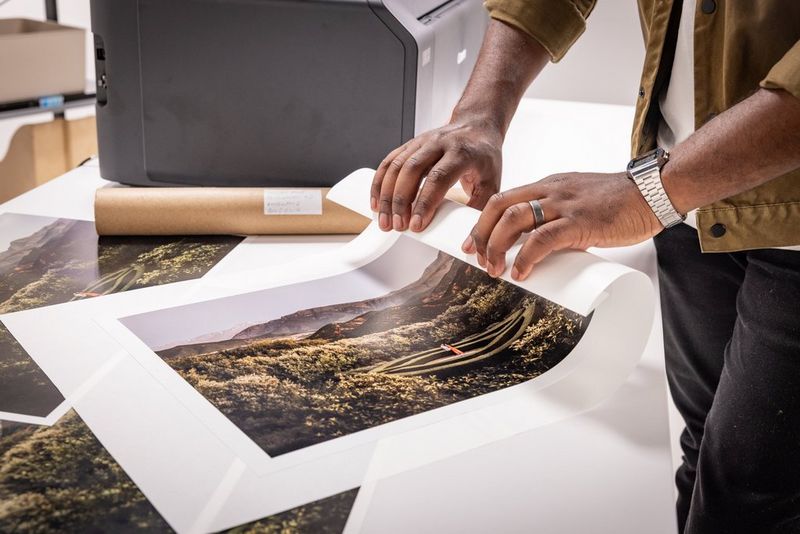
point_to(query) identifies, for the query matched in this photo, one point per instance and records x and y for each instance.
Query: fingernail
(416, 223)
(373, 203)
(383, 221)
(515, 273)
(469, 242)
(481, 260)
(398, 222)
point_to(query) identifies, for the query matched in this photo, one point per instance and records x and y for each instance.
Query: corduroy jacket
(739, 46)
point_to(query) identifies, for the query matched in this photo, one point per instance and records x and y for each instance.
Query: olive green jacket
(739, 45)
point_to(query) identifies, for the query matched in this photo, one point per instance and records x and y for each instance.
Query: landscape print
(311, 364)
(61, 479)
(46, 261)
(24, 388)
(325, 516)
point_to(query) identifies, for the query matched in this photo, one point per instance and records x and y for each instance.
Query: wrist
(488, 120)
(650, 222)
(646, 171)
(673, 182)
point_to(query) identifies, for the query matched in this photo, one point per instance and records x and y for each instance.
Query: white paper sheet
(203, 474)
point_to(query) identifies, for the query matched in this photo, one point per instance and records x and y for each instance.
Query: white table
(608, 470)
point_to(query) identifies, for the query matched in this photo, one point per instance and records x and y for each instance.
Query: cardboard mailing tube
(218, 211)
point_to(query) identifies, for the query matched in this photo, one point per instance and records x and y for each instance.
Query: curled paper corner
(352, 192)
(573, 279)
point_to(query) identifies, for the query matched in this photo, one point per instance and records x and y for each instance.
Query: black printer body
(289, 93)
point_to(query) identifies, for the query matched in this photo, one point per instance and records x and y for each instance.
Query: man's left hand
(581, 210)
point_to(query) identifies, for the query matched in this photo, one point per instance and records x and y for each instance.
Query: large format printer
(272, 92)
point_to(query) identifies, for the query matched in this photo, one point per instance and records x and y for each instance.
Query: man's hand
(752, 143)
(581, 211)
(468, 150)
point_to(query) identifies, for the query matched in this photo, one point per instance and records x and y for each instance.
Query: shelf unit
(55, 104)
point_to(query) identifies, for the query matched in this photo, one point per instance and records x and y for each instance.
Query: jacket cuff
(785, 74)
(555, 24)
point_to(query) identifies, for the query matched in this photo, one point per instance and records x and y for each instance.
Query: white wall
(604, 65)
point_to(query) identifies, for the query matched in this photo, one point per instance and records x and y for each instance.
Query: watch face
(653, 155)
(646, 158)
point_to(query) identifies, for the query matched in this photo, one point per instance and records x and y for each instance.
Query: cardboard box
(40, 152)
(40, 59)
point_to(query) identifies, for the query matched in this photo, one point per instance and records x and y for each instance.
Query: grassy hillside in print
(325, 516)
(65, 260)
(61, 479)
(24, 388)
(464, 335)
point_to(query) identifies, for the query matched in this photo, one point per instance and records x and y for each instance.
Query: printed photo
(413, 331)
(325, 516)
(24, 388)
(46, 261)
(61, 479)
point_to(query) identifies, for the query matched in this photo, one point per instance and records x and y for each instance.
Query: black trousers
(732, 345)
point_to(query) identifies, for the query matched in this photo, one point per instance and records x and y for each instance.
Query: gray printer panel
(316, 89)
(244, 93)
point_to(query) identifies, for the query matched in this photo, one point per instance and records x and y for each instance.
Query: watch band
(646, 174)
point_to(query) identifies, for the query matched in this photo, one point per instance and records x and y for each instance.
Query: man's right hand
(468, 150)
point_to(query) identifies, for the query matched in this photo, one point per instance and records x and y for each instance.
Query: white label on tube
(292, 202)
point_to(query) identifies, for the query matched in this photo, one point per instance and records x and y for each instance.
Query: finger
(516, 220)
(389, 179)
(408, 181)
(497, 204)
(377, 180)
(440, 178)
(480, 191)
(548, 238)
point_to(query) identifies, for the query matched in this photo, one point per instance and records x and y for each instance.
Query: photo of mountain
(420, 330)
(62, 260)
(46, 261)
(61, 479)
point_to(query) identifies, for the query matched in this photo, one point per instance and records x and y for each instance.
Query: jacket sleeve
(785, 74)
(555, 24)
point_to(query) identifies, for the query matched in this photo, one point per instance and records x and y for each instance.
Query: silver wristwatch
(645, 171)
